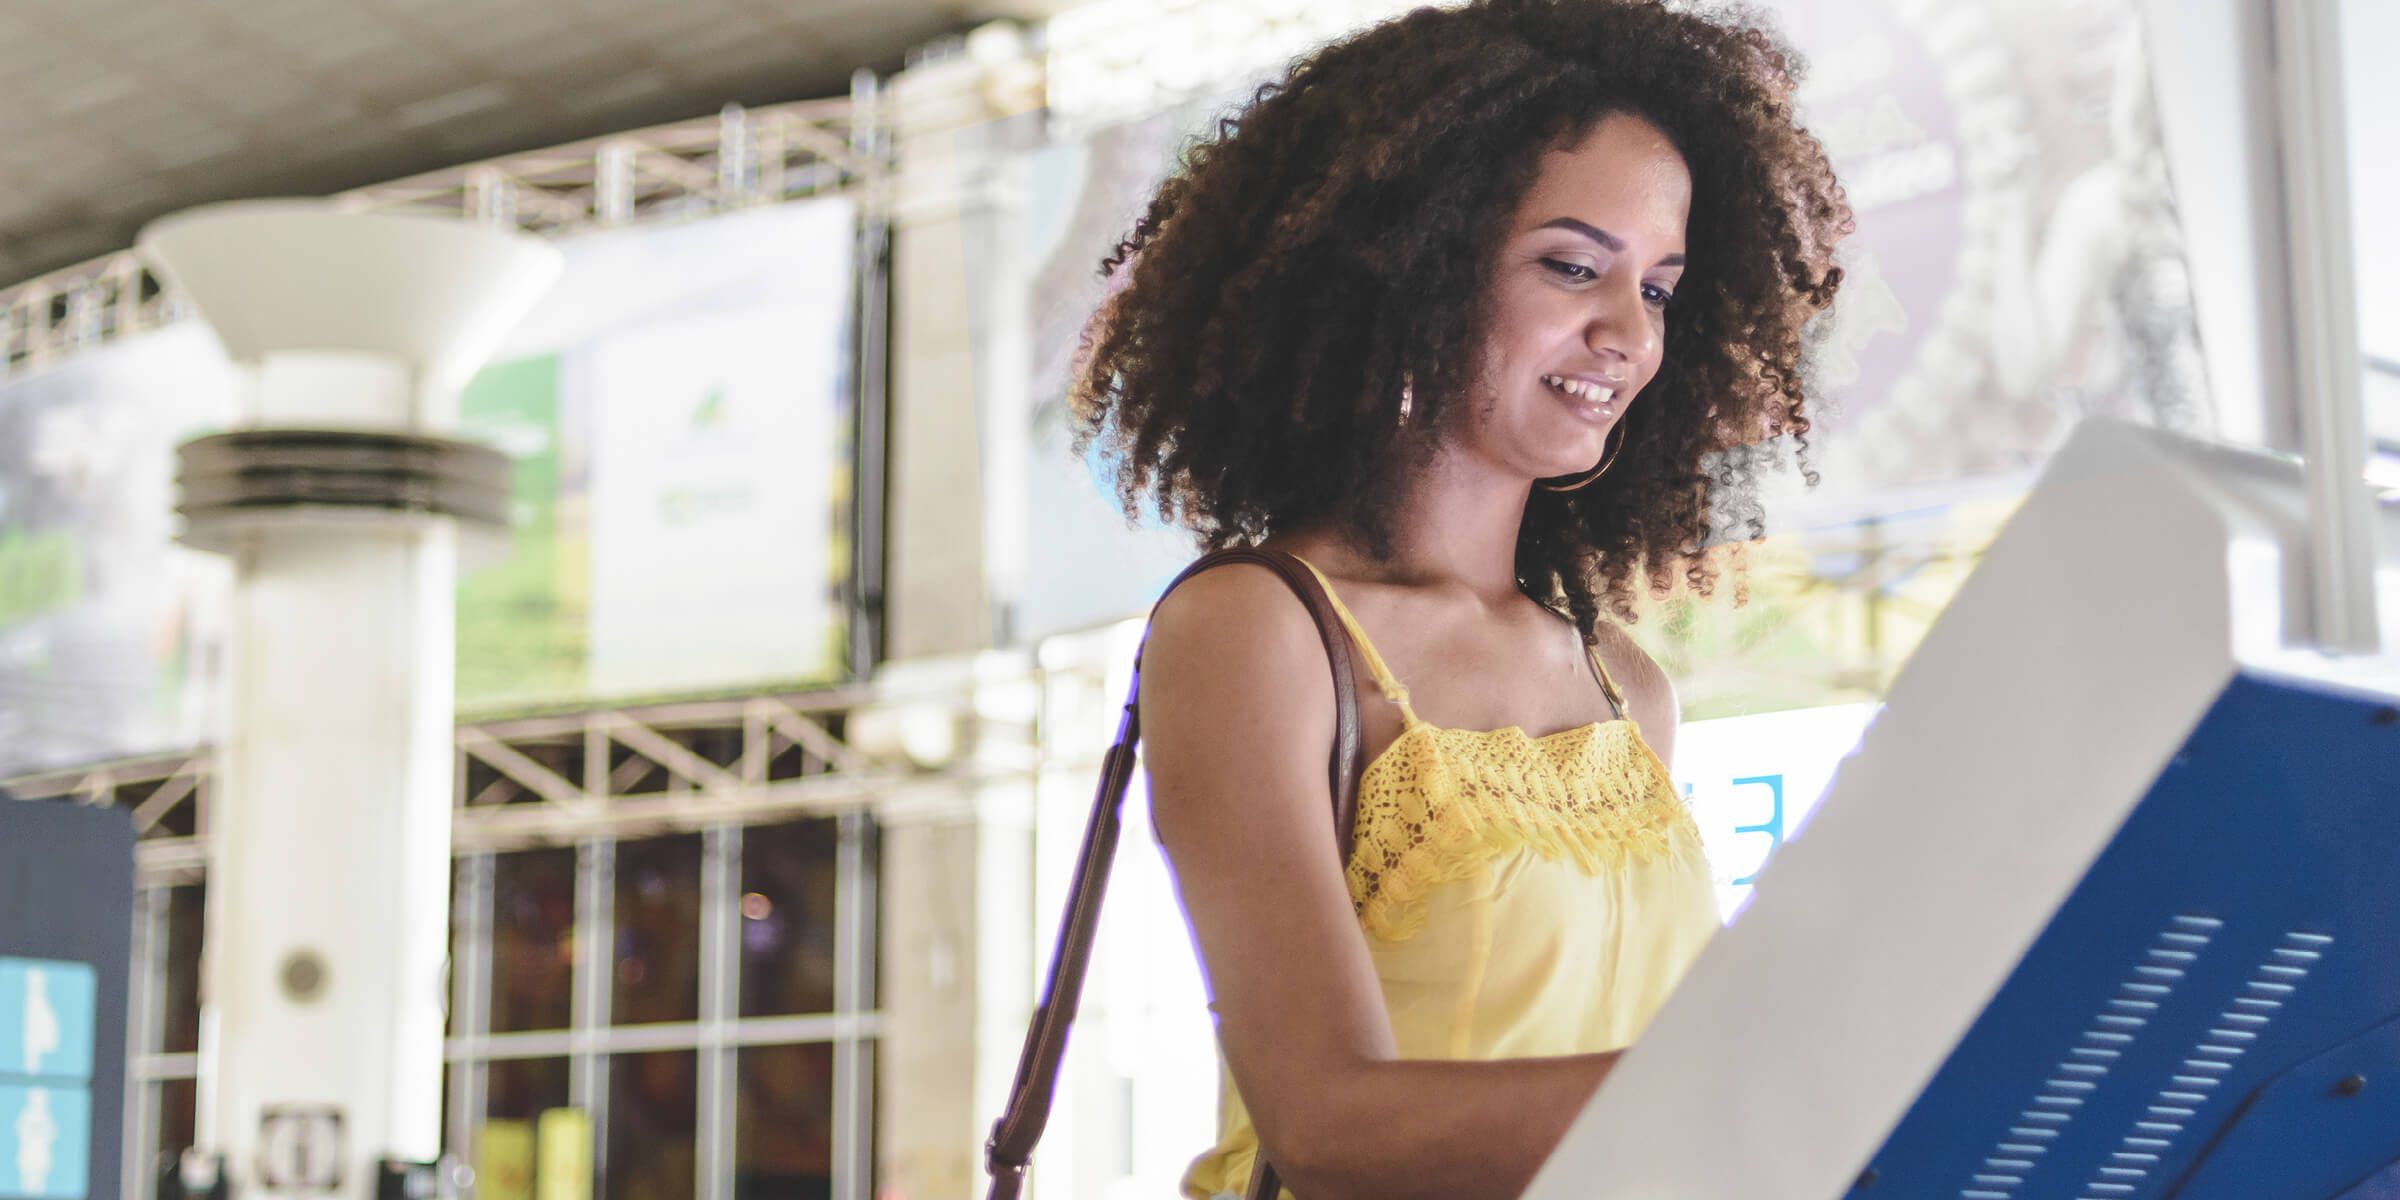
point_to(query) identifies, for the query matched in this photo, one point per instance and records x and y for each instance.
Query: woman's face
(1580, 294)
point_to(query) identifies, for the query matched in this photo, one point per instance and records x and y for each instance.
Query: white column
(957, 918)
(957, 911)
(2250, 104)
(328, 901)
(960, 342)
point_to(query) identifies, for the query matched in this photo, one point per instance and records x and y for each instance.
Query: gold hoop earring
(1608, 455)
(1408, 396)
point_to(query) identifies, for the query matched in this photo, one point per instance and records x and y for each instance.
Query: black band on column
(260, 471)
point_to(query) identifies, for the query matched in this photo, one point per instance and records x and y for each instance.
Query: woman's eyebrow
(1607, 241)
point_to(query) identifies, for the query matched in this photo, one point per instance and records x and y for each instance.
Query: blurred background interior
(780, 695)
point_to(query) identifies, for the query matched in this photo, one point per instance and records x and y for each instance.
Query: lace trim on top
(1439, 803)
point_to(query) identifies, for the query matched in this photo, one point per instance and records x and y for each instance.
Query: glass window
(872, 1162)
(451, 1014)
(652, 1113)
(522, 1089)
(658, 931)
(783, 1130)
(782, 1120)
(178, 1114)
(186, 909)
(533, 940)
(788, 918)
(872, 879)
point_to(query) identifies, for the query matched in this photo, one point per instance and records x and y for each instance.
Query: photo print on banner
(2017, 266)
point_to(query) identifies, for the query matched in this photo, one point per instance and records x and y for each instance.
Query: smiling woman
(1336, 257)
(1488, 315)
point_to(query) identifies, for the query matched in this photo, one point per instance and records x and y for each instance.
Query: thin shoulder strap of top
(1608, 686)
(1393, 690)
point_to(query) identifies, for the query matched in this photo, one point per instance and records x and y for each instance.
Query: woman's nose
(1621, 327)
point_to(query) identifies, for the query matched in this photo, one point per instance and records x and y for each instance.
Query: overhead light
(449, 106)
(632, 85)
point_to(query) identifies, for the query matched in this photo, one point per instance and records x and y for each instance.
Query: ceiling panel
(112, 114)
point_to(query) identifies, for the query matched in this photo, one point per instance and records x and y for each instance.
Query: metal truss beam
(740, 158)
(631, 772)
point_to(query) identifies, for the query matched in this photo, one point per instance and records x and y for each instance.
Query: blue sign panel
(47, 1009)
(45, 1142)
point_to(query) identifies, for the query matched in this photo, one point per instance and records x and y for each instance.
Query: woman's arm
(1237, 710)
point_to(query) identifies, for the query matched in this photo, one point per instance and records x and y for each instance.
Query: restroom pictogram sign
(300, 1147)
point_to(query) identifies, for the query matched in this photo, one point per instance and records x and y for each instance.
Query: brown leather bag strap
(1010, 1147)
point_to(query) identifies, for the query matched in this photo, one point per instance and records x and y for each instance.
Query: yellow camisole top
(1521, 897)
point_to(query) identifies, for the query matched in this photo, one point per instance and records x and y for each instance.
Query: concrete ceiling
(113, 112)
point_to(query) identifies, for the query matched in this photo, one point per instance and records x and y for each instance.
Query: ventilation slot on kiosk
(2204, 1069)
(2103, 1042)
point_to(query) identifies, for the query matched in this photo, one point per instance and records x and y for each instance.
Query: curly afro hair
(1333, 241)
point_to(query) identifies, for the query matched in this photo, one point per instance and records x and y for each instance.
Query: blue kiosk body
(2214, 1013)
(2105, 906)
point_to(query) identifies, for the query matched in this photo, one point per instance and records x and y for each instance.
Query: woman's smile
(1592, 398)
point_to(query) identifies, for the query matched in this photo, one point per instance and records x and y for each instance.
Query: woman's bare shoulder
(1230, 604)
(1235, 647)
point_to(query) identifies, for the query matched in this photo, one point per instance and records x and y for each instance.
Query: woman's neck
(1455, 527)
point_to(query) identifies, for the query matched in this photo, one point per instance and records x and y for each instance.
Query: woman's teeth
(1581, 389)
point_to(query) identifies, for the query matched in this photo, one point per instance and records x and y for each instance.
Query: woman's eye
(1658, 297)
(1575, 271)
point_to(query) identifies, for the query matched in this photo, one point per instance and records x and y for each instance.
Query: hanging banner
(112, 637)
(679, 410)
(679, 414)
(2017, 265)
